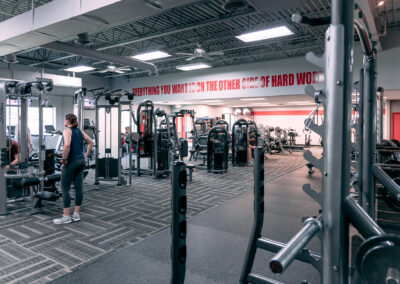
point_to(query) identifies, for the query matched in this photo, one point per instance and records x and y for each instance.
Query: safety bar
(303, 255)
(259, 279)
(386, 181)
(285, 256)
(360, 219)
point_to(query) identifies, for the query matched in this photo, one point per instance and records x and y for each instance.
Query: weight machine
(217, 150)
(377, 258)
(162, 144)
(240, 142)
(108, 157)
(145, 129)
(28, 179)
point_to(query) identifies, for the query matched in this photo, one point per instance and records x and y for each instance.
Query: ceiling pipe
(90, 53)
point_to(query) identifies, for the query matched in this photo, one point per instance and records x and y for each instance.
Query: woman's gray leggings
(72, 172)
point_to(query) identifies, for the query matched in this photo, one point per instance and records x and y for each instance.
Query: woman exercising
(73, 165)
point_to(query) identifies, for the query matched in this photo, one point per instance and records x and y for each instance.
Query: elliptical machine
(217, 150)
(240, 130)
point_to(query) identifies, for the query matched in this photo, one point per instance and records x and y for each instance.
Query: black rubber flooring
(216, 241)
(34, 250)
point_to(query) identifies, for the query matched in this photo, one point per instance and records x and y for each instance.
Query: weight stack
(178, 223)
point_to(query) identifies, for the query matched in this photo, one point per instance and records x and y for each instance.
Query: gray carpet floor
(114, 218)
(216, 242)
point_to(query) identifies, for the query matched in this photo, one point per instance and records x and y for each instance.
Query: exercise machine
(181, 144)
(145, 129)
(25, 180)
(162, 144)
(217, 150)
(108, 152)
(240, 143)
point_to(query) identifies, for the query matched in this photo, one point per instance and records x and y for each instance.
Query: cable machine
(109, 137)
(26, 179)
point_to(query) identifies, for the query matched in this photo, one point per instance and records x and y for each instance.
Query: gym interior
(188, 141)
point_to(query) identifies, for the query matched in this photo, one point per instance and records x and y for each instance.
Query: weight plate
(376, 255)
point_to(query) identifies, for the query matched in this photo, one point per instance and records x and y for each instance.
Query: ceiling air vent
(235, 5)
(83, 39)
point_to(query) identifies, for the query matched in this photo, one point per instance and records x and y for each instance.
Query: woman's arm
(90, 143)
(67, 134)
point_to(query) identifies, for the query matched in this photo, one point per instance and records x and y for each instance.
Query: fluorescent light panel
(265, 34)
(194, 66)
(253, 99)
(151, 55)
(80, 68)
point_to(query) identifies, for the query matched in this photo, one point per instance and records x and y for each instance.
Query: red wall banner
(230, 84)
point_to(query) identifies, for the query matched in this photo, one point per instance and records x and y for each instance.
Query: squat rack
(379, 253)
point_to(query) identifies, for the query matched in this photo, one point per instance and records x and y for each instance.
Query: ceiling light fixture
(301, 103)
(253, 99)
(216, 103)
(151, 55)
(213, 101)
(79, 68)
(381, 3)
(265, 34)
(194, 66)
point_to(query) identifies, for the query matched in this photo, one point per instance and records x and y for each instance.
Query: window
(49, 117)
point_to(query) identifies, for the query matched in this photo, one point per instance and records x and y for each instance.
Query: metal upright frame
(377, 258)
(178, 223)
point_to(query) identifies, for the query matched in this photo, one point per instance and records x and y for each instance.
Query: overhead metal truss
(181, 29)
(11, 8)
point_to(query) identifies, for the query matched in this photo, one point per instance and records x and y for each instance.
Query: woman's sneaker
(62, 220)
(76, 217)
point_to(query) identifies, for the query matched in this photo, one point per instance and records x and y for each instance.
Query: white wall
(288, 117)
(204, 110)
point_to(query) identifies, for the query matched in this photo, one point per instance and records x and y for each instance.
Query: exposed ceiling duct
(270, 6)
(91, 53)
(10, 58)
(60, 19)
(235, 5)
